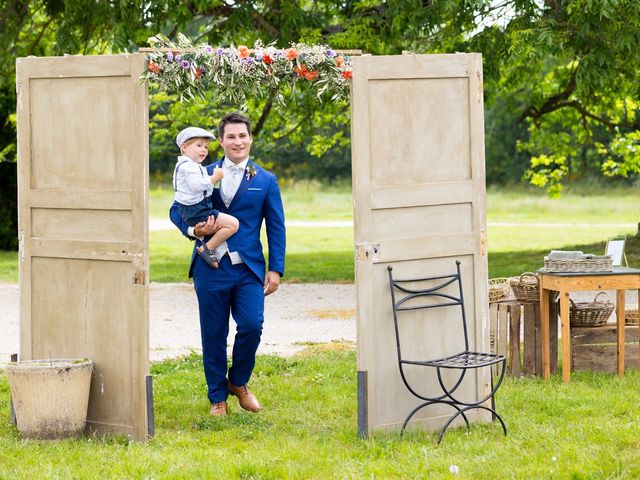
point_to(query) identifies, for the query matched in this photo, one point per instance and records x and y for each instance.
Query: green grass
(303, 200)
(308, 429)
(313, 255)
(326, 254)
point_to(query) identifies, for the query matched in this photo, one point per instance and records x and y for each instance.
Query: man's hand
(209, 227)
(271, 282)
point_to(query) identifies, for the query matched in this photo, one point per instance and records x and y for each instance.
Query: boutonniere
(250, 171)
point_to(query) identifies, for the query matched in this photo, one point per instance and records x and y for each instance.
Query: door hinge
(139, 277)
(369, 251)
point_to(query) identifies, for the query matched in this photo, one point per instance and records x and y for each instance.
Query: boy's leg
(228, 226)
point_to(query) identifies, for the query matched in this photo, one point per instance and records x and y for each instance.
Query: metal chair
(405, 296)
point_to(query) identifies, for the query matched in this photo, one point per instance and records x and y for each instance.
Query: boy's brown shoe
(218, 409)
(247, 400)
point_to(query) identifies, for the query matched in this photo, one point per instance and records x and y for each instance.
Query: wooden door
(419, 192)
(83, 228)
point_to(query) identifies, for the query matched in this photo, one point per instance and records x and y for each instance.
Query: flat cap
(193, 132)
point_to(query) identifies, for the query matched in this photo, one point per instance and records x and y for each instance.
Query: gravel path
(295, 315)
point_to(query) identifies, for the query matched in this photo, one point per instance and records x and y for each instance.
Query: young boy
(193, 188)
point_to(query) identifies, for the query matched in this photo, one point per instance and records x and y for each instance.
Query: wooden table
(620, 279)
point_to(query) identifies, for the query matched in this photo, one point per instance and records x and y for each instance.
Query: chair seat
(461, 360)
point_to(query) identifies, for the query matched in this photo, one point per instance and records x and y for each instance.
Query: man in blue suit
(251, 194)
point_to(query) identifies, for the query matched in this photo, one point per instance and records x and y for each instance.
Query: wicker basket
(498, 289)
(631, 315)
(526, 288)
(591, 314)
(602, 263)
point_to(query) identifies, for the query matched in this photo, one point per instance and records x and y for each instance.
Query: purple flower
(203, 70)
(259, 56)
(185, 64)
(280, 53)
(169, 56)
(178, 57)
(220, 51)
(249, 60)
(208, 48)
(331, 53)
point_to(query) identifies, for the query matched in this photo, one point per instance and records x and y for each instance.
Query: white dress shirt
(190, 181)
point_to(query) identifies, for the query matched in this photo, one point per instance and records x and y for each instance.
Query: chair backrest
(407, 294)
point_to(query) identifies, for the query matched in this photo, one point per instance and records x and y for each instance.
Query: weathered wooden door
(419, 190)
(83, 229)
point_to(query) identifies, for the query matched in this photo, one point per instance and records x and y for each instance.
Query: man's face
(236, 142)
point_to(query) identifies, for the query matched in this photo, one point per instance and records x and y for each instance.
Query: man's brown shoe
(247, 400)
(218, 409)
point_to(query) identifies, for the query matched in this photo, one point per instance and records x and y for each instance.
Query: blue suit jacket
(257, 198)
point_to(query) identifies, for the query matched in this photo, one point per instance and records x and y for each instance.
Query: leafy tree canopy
(561, 76)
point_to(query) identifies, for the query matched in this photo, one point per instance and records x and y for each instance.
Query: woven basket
(591, 314)
(526, 288)
(602, 263)
(631, 315)
(498, 289)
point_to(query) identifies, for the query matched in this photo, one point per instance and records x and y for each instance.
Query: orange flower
(198, 73)
(347, 74)
(243, 51)
(340, 62)
(154, 67)
(267, 59)
(291, 53)
(300, 71)
(311, 75)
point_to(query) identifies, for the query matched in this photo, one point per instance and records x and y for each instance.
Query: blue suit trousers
(231, 289)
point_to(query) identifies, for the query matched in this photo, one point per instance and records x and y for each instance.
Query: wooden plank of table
(553, 336)
(620, 312)
(514, 341)
(493, 327)
(544, 328)
(503, 314)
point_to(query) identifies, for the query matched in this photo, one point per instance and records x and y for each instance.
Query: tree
(571, 68)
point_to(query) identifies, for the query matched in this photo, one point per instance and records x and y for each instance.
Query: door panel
(82, 184)
(418, 181)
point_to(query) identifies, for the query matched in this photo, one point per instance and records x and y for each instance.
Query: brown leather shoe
(218, 409)
(247, 400)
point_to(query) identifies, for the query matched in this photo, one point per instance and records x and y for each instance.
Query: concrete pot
(50, 397)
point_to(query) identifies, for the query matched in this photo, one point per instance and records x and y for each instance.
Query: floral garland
(235, 73)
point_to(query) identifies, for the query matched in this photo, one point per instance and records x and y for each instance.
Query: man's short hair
(233, 118)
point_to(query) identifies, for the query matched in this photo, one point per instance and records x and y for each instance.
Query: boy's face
(197, 150)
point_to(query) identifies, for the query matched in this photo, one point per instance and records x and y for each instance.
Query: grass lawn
(308, 429)
(523, 227)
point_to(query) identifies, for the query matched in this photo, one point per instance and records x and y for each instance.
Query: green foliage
(571, 69)
(8, 207)
(561, 78)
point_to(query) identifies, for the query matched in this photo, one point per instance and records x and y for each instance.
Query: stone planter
(50, 397)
